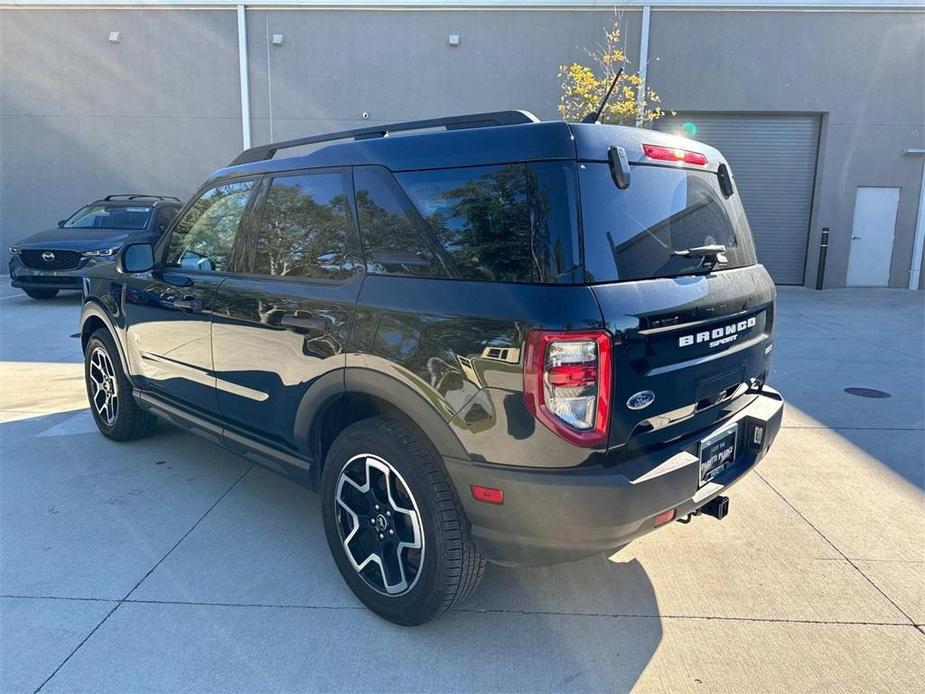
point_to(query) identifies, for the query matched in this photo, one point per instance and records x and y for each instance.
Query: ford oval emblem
(640, 400)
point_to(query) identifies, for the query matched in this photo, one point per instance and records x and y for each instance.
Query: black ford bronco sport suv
(505, 340)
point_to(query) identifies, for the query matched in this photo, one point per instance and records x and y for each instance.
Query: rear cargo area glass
(630, 234)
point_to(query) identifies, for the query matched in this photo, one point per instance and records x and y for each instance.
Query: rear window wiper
(710, 256)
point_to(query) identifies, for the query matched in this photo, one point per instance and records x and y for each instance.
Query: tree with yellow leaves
(584, 87)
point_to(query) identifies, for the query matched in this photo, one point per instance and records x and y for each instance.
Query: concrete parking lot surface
(169, 564)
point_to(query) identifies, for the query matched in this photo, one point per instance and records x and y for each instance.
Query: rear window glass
(109, 217)
(505, 223)
(630, 234)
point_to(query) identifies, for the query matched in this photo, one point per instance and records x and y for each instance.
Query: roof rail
(472, 120)
(136, 196)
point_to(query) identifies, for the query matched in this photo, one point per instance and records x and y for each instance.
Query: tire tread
(464, 565)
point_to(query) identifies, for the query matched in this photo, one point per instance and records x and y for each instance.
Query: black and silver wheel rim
(379, 525)
(104, 386)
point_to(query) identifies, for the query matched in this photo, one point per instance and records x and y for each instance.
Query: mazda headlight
(14, 250)
(101, 253)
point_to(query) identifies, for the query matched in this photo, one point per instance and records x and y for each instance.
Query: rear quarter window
(506, 223)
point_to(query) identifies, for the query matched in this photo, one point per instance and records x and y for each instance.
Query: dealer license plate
(717, 452)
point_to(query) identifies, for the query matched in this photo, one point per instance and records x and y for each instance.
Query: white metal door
(872, 236)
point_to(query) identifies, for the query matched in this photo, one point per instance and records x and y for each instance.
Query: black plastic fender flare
(93, 309)
(326, 391)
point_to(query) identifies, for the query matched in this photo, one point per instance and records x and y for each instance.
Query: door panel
(872, 236)
(168, 312)
(287, 321)
(271, 339)
(168, 317)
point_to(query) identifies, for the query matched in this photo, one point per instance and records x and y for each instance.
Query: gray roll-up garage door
(773, 160)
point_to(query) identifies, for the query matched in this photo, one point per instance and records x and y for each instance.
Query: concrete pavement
(168, 564)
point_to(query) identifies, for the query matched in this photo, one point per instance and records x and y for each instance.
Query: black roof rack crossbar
(136, 196)
(472, 120)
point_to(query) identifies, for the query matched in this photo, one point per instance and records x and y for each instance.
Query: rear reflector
(489, 495)
(664, 517)
(676, 155)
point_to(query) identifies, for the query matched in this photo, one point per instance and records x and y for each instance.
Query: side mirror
(136, 257)
(61, 223)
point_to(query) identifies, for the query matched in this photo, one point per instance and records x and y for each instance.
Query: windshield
(109, 217)
(630, 234)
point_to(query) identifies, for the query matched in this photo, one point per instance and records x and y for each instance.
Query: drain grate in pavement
(868, 393)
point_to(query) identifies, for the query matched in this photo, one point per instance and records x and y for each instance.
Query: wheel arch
(349, 395)
(92, 317)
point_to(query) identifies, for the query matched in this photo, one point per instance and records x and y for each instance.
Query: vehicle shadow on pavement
(620, 594)
(236, 556)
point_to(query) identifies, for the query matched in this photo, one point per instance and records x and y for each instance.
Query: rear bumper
(555, 515)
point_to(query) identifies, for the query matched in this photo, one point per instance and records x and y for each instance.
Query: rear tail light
(680, 156)
(567, 382)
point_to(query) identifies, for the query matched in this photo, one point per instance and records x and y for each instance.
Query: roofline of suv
(139, 196)
(472, 140)
(470, 120)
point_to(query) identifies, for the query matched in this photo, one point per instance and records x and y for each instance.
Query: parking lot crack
(188, 532)
(150, 571)
(836, 548)
(720, 618)
(57, 597)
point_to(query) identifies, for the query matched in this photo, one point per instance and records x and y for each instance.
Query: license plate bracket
(717, 452)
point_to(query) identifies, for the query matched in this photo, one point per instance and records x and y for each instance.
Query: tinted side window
(480, 217)
(394, 237)
(204, 236)
(556, 248)
(305, 228)
(165, 215)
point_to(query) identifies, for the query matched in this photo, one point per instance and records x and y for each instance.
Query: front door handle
(300, 324)
(188, 303)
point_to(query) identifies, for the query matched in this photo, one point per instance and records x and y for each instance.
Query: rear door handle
(188, 303)
(303, 325)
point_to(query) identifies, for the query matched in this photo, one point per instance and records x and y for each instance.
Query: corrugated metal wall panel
(773, 160)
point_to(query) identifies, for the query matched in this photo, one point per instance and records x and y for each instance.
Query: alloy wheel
(379, 524)
(105, 395)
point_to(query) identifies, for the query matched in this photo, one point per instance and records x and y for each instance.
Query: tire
(439, 566)
(36, 293)
(120, 418)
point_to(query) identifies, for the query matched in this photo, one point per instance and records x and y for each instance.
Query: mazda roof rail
(472, 120)
(136, 196)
